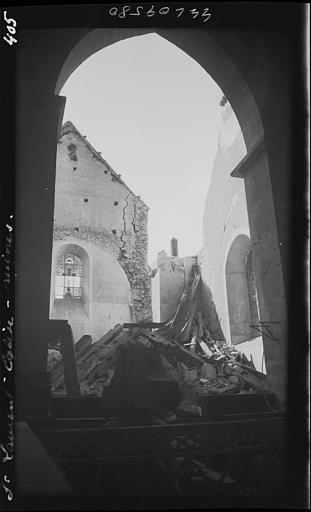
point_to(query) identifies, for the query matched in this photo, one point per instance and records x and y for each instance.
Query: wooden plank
(180, 311)
(90, 352)
(205, 349)
(157, 338)
(185, 356)
(194, 286)
(70, 368)
(101, 350)
(105, 340)
(176, 350)
(187, 303)
(82, 357)
(57, 383)
(106, 358)
(228, 390)
(200, 322)
(194, 339)
(145, 325)
(187, 332)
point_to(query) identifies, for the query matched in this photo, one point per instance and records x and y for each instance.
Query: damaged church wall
(225, 219)
(170, 275)
(95, 210)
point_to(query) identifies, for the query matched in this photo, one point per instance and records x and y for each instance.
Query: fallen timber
(222, 420)
(201, 364)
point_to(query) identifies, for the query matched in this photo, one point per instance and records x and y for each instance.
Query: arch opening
(243, 107)
(227, 76)
(241, 291)
(44, 56)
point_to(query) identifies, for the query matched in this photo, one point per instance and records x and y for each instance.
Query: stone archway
(43, 62)
(227, 76)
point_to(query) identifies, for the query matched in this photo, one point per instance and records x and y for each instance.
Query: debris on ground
(190, 354)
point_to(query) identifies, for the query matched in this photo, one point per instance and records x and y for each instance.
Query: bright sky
(154, 114)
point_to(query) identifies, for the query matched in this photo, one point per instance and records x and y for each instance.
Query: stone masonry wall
(130, 251)
(92, 203)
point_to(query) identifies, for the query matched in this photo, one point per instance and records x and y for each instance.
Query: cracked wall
(93, 205)
(222, 225)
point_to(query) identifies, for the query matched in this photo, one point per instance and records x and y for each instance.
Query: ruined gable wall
(112, 218)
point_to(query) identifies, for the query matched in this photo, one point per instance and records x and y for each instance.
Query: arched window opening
(69, 277)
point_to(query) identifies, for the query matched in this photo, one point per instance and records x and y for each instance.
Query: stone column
(267, 266)
(37, 124)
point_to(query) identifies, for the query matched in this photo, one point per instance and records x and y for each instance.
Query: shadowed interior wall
(237, 290)
(225, 214)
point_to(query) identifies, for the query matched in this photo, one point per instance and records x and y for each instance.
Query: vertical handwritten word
(9, 446)
(8, 491)
(11, 28)
(7, 257)
(8, 356)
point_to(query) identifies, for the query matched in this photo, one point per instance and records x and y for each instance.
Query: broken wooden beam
(145, 325)
(205, 349)
(61, 330)
(173, 348)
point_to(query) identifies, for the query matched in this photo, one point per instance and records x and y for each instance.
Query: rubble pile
(191, 356)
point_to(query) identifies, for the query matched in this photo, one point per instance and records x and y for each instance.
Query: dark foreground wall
(254, 53)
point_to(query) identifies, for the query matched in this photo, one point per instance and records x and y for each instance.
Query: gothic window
(69, 275)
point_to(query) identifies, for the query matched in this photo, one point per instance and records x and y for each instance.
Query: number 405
(11, 24)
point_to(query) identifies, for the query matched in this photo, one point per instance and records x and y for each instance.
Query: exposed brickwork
(130, 248)
(133, 259)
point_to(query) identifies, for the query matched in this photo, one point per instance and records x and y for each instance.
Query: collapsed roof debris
(181, 354)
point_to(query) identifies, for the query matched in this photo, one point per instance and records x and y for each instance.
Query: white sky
(154, 114)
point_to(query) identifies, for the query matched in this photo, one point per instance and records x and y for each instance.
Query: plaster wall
(253, 349)
(225, 218)
(225, 214)
(106, 291)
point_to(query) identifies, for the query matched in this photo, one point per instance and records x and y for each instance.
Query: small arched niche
(241, 290)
